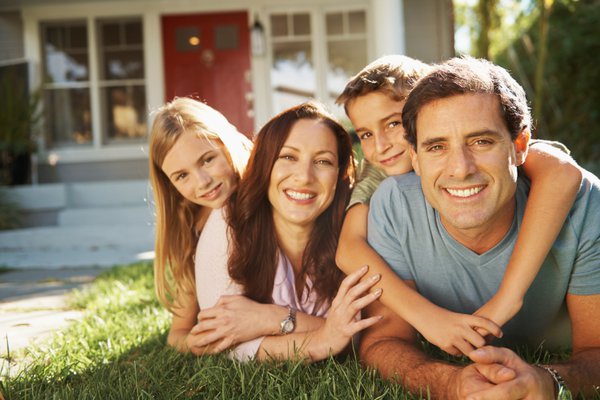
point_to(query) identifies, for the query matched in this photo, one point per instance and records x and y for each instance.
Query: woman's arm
(555, 181)
(236, 319)
(452, 332)
(337, 331)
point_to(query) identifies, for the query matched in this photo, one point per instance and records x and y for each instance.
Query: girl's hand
(233, 320)
(342, 321)
(456, 333)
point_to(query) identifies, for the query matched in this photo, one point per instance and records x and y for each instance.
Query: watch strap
(560, 387)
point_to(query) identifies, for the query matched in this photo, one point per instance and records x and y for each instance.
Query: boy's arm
(555, 180)
(452, 332)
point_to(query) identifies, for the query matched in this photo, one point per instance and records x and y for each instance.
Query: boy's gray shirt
(407, 232)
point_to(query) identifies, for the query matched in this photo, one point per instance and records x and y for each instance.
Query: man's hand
(502, 375)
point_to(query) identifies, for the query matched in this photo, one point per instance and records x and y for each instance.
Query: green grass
(118, 352)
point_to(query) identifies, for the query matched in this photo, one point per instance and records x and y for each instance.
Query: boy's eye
(394, 124)
(365, 135)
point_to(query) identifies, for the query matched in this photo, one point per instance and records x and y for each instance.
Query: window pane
(133, 33)
(292, 74)
(357, 22)
(78, 37)
(61, 62)
(334, 24)
(124, 64)
(126, 111)
(68, 116)
(279, 25)
(110, 34)
(301, 24)
(345, 59)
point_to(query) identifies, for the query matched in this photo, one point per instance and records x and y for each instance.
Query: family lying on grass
(250, 235)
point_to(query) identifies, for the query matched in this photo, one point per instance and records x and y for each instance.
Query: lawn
(118, 352)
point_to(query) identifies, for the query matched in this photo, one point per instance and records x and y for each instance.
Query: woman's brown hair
(254, 247)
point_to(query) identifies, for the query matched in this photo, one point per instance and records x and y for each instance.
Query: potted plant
(18, 114)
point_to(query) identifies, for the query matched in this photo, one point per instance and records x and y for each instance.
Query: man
(450, 231)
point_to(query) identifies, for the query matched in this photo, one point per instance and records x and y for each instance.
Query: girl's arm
(555, 180)
(452, 332)
(338, 329)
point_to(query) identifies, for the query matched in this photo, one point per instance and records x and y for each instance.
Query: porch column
(388, 27)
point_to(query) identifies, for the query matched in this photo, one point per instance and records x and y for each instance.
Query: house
(104, 65)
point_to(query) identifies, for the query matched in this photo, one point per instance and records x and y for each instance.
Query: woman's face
(200, 170)
(304, 175)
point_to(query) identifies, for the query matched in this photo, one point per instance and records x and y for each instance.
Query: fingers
(481, 323)
(351, 280)
(496, 373)
(513, 389)
(491, 354)
(358, 326)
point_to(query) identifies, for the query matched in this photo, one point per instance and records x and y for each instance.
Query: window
(122, 87)
(293, 77)
(346, 49)
(69, 90)
(296, 74)
(66, 83)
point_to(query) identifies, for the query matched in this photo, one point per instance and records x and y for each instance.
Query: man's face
(468, 165)
(378, 123)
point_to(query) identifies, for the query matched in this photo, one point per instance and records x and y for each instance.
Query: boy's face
(377, 120)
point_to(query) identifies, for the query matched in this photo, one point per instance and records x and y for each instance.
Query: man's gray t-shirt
(407, 232)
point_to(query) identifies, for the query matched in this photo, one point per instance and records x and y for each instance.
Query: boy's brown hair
(393, 75)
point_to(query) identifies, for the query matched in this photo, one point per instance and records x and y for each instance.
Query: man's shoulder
(403, 182)
(393, 188)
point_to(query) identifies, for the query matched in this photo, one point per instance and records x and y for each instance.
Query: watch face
(288, 326)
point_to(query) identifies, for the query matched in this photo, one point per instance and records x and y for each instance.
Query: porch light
(257, 38)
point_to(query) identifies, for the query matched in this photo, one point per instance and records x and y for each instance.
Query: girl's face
(200, 170)
(304, 176)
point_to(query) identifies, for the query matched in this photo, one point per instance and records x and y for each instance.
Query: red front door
(207, 56)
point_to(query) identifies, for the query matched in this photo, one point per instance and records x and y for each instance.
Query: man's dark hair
(464, 75)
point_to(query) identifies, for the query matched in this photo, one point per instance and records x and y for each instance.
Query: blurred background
(79, 81)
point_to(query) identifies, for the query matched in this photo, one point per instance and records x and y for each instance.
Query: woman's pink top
(213, 281)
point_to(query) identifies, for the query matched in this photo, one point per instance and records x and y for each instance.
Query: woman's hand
(233, 320)
(342, 321)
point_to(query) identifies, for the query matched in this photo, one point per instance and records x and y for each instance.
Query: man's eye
(435, 147)
(484, 142)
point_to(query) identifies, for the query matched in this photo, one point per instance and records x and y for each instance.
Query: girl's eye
(207, 160)
(180, 176)
(365, 136)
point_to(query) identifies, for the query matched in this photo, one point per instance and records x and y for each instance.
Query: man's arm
(582, 371)
(392, 348)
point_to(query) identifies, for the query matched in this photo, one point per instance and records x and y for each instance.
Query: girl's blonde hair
(176, 217)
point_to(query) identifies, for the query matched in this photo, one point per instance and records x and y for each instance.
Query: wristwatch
(289, 323)
(560, 387)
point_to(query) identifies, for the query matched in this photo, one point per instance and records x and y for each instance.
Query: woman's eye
(324, 162)
(286, 157)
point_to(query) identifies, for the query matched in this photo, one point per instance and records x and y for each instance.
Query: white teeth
(299, 196)
(465, 192)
